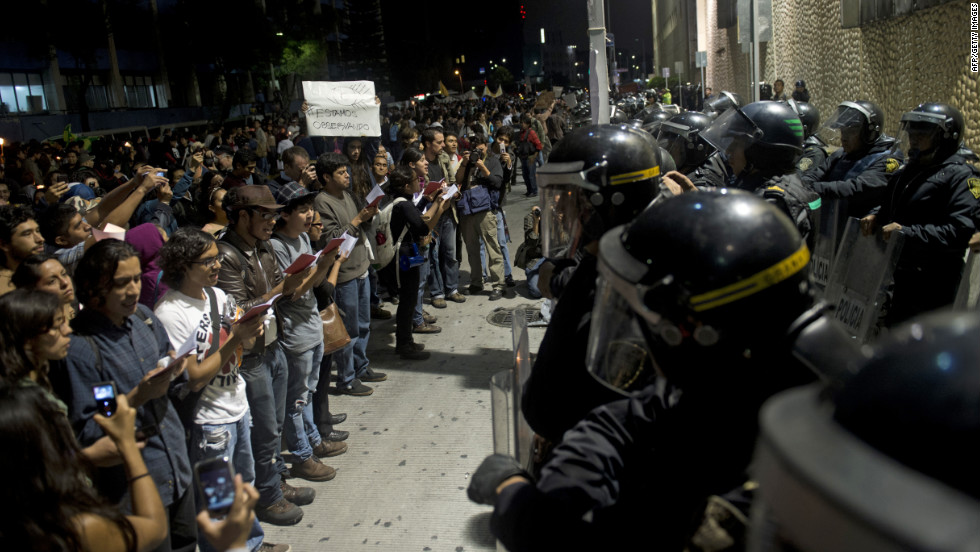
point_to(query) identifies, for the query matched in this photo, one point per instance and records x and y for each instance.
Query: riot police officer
(597, 177)
(859, 170)
(761, 142)
(933, 201)
(888, 462)
(815, 150)
(700, 306)
(722, 103)
(680, 135)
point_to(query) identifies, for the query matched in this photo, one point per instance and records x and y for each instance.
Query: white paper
(374, 194)
(189, 346)
(342, 108)
(348, 245)
(450, 192)
(111, 231)
(259, 309)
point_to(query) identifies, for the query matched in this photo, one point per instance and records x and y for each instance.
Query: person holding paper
(339, 214)
(410, 226)
(192, 309)
(302, 336)
(248, 271)
(443, 278)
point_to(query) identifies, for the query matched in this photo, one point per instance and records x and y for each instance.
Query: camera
(475, 156)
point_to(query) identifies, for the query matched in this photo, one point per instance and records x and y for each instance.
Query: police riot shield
(829, 229)
(859, 278)
(511, 433)
(968, 294)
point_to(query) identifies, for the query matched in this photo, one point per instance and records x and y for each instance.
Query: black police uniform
(814, 155)
(560, 392)
(714, 173)
(787, 192)
(935, 206)
(642, 468)
(858, 178)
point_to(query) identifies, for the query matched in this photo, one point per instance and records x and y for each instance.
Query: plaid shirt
(128, 352)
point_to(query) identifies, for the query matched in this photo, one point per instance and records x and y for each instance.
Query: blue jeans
(434, 281)
(266, 379)
(423, 275)
(444, 253)
(233, 440)
(532, 279)
(528, 170)
(354, 299)
(300, 430)
(502, 240)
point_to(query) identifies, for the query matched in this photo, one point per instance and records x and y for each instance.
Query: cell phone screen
(161, 173)
(216, 482)
(105, 397)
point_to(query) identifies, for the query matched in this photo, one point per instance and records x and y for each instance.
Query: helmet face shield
(731, 128)
(618, 355)
(844, 129)
(564, 206)
(919, 134)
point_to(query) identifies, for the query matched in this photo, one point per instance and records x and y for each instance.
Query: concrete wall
(897, 63)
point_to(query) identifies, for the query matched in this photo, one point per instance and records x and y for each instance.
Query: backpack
(386, 248)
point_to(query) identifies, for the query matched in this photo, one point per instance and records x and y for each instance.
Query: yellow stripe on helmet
(627, 178)
(753, 284)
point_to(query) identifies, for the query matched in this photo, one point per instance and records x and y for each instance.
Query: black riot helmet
(695, 279)
(931, 132)
(652, 122)
(889, 461)
(861, 119)
(596, 177)
(809, 115)
(770, 135)
(722, 103)
(680, 135)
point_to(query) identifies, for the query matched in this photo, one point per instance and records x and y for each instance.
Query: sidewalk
(416, 440)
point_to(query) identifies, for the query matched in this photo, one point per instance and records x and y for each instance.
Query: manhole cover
(504, 316)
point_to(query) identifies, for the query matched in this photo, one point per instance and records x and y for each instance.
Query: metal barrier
(968, 294)
(860, 277)
(511, 433)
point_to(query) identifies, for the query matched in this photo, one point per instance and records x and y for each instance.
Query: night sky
(424, 38)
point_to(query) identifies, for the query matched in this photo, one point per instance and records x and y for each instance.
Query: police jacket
(636, 473)
(713, 173)
(787, 192)
(560, 392)
(935, 205)
(859, 178)
(814, 154)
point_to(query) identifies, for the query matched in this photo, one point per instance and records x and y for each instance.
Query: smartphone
(215, 479)
(105, 397)
(161, 173)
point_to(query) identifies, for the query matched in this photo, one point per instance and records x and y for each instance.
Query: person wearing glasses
(248, 271)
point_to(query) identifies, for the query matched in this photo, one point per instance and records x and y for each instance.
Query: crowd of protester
(116, 253)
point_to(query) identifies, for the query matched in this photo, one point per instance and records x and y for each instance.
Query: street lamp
(460, 81)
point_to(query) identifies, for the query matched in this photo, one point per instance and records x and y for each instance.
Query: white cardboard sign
(342, 108)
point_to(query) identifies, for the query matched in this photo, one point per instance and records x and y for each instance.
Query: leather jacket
(247, 282)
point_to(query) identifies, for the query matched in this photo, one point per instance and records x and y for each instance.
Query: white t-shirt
(223, 400)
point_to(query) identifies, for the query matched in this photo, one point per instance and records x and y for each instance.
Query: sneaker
(428, 318)
(312, 469)
(283, 512)
(379, 313)
(356, 389)
(269, 547)
(300, 496)
(371, 376)
(456, 297)
(439, 303)
(334, 419)
(495, 294)
(426, 328)
(329, 449)
(509, 280)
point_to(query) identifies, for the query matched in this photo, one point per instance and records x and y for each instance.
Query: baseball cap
(256, 195)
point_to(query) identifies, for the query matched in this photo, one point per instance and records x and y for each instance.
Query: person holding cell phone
(117, 339)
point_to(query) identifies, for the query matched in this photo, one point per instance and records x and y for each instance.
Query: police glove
(492, 472)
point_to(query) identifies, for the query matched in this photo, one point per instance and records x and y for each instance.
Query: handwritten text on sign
(345, 108)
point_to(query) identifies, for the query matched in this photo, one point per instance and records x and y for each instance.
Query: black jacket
(789, 194)
(861, 183)
(814, 154)
(713, 173)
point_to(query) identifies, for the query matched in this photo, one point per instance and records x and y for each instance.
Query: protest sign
(343, 108)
